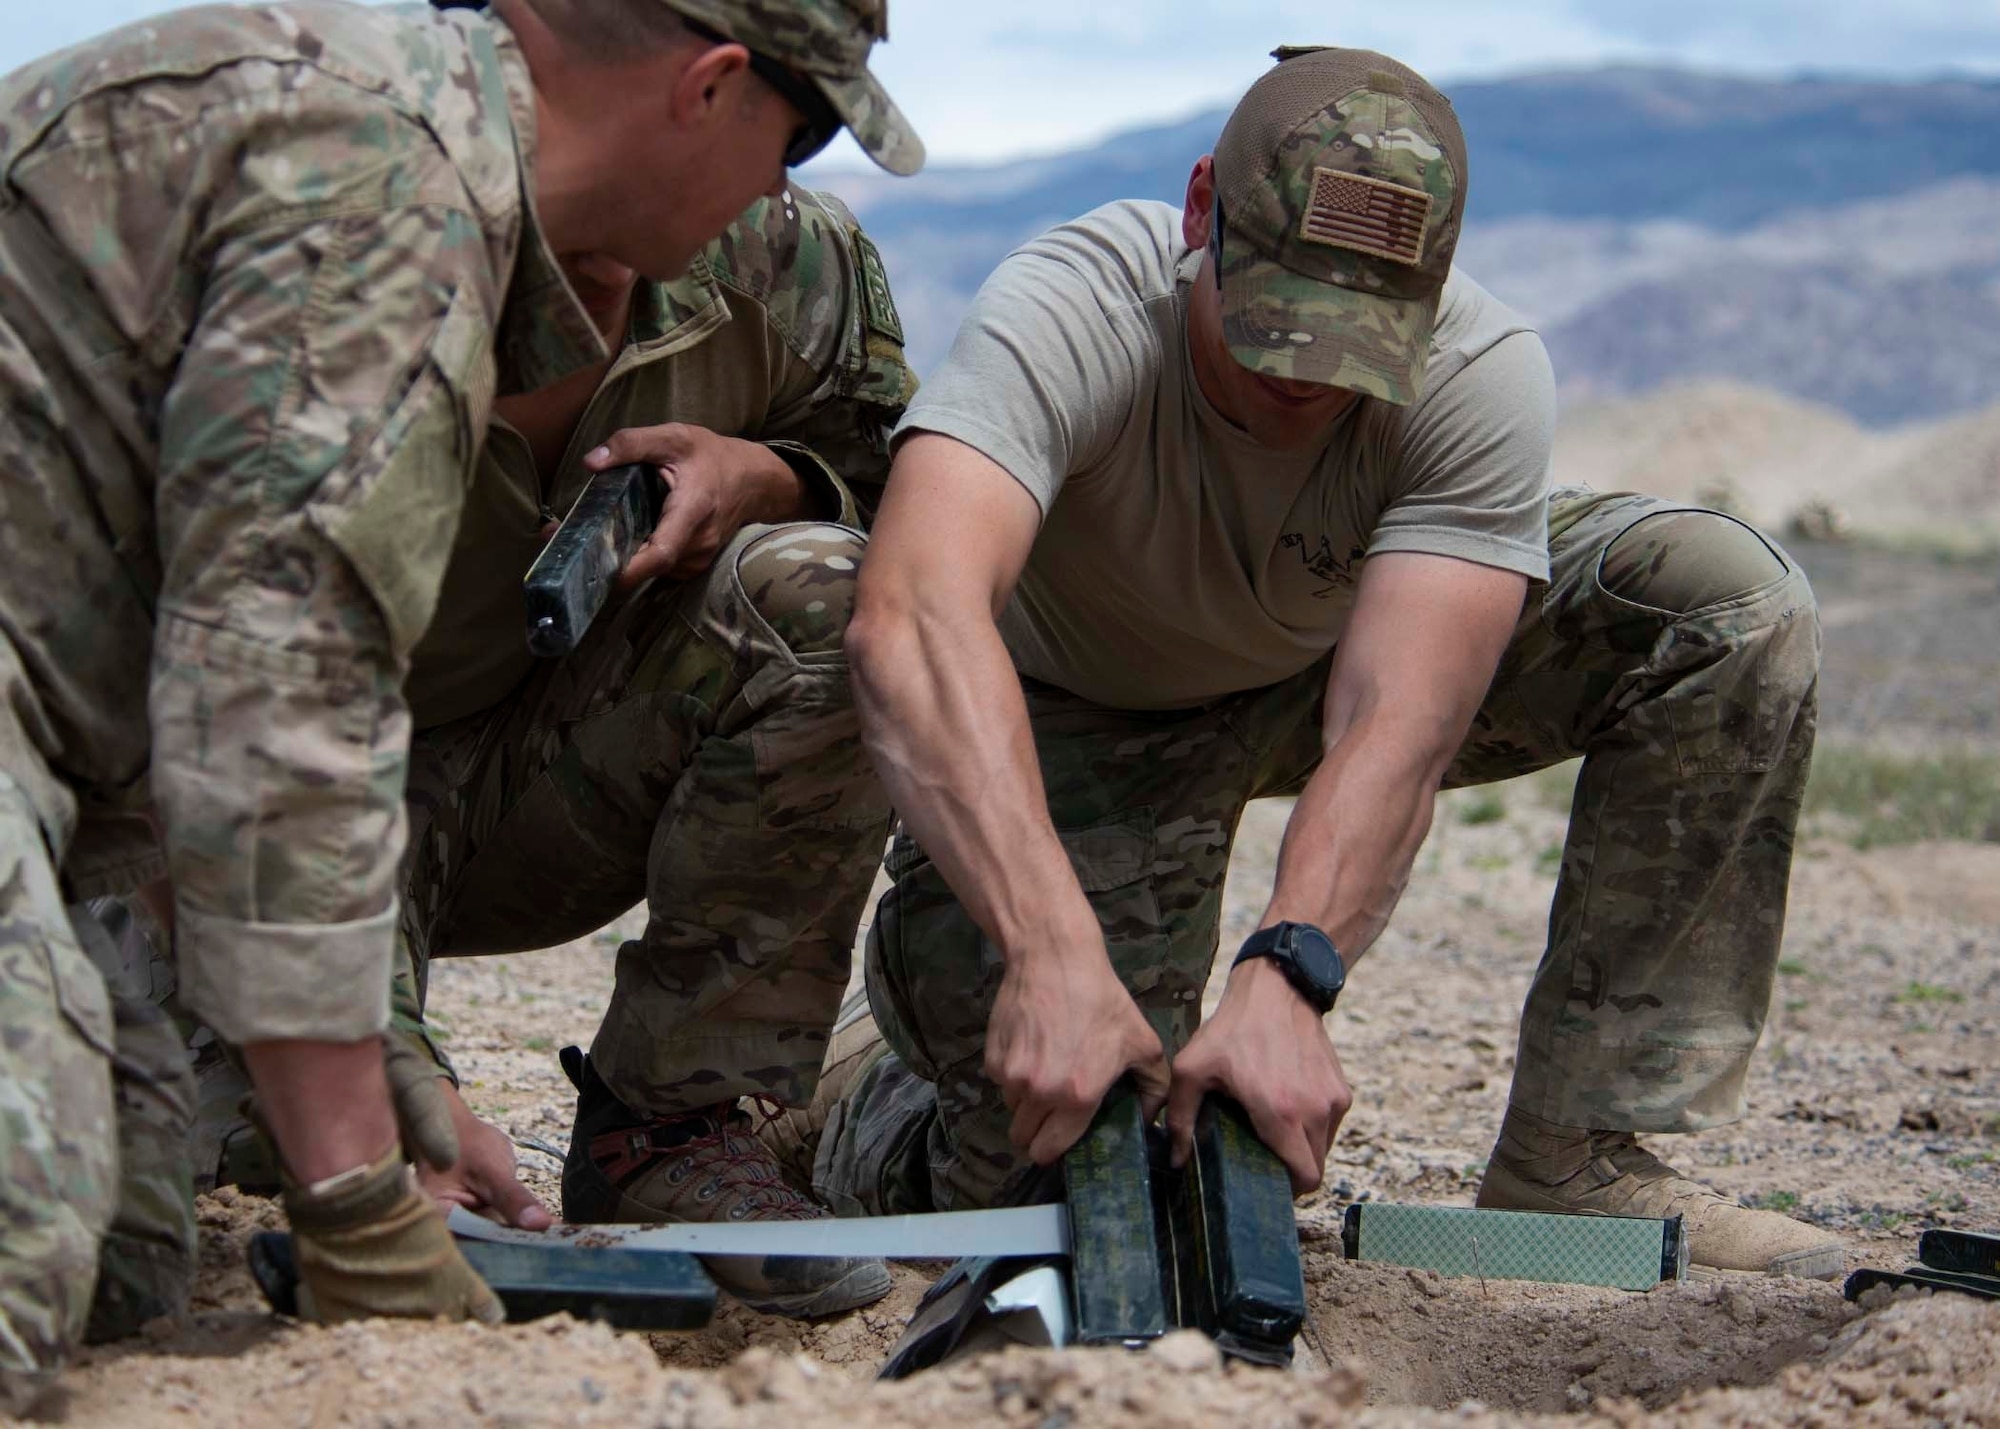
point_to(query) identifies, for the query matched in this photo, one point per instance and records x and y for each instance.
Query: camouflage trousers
(1675, 650)
(699, 752)
(97, 1230)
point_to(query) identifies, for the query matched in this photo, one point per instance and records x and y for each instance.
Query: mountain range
(1836, 239)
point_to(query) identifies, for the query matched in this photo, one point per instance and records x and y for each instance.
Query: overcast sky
(992, 81)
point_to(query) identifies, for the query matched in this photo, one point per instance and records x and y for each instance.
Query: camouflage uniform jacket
(783, 332)
(252, 270)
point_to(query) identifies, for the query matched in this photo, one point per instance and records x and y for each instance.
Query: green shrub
(1485, 807)
(1880, 798)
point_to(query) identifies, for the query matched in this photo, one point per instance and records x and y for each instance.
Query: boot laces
(736, 1161)
(1665, 1191)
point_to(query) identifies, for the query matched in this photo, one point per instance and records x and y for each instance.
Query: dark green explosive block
(571, 579)
(631, 1289)
(1121, 1264)
(1238, 1268)
(1621, 1252)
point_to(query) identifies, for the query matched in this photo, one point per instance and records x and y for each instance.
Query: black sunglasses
(822, 120)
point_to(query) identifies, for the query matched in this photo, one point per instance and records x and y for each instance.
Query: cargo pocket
(37, 930)
(933, 975)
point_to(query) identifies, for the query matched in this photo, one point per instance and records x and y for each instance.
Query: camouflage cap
(1340, 180)
(828, 42)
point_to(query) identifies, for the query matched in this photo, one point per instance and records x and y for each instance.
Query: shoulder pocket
(396, 520)
(878, 371)
(878, 304)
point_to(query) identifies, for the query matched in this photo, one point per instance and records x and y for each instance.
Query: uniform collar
(667, 317)
(545, 331)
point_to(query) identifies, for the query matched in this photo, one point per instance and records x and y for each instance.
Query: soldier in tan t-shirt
(1250, 501)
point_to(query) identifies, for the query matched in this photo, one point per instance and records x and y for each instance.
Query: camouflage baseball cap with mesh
(828, 42)
(1340, 182)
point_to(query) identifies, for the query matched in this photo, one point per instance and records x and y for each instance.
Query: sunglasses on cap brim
(822, 120)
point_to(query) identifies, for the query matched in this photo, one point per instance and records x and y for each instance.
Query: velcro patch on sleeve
(878, 304)
(1367, 215)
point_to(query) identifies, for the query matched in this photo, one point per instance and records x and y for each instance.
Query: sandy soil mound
(1930, 1361)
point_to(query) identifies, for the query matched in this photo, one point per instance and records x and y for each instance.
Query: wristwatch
(1307, 957)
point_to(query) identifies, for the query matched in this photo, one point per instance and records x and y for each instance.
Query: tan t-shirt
(1178, 561)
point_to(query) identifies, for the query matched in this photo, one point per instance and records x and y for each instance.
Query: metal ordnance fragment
(1961, 1261)
(571, 579)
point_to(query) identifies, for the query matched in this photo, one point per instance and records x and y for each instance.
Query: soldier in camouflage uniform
(1259, 493)
(698, 751)
(253, 264)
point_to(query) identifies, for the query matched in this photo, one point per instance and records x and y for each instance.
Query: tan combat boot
(704, 1165)
(794, 1135)
(1539, 1166)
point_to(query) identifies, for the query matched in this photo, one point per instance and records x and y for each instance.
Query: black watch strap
(1307, 957)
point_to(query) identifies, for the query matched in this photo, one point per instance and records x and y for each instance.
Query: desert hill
(1775, 459)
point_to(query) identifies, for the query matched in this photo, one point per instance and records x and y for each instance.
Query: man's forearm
(1416, 659)
(327, 1104)
(1355, 833)
(948, 731)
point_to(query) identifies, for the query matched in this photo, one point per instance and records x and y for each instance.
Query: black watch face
(1316, 958)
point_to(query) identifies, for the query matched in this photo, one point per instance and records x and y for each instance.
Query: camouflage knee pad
(1684, 561)
(800, 579)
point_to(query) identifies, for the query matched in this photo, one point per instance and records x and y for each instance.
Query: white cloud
(990, 81)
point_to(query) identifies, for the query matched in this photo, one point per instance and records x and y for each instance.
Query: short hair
(613, 29)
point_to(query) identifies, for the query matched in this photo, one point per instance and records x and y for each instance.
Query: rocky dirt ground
(1874, 1112)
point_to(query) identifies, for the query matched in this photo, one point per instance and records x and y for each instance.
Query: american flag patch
(1367, 215)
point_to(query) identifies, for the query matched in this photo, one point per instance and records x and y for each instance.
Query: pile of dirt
(1427, 1340)
(1922, 1362)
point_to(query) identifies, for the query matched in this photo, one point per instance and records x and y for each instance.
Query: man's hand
(716, 486)
(1063, 1030)
(368, 1243)
(1267, 1048)
(483, 1180)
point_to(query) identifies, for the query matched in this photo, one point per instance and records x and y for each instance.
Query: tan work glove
(369, 1243)
(422, 1113)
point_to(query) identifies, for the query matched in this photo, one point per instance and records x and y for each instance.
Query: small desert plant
(1485, 807)
(1884, 798)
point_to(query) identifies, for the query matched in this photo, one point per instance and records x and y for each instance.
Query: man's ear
(1198, 213)
(711, 79)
